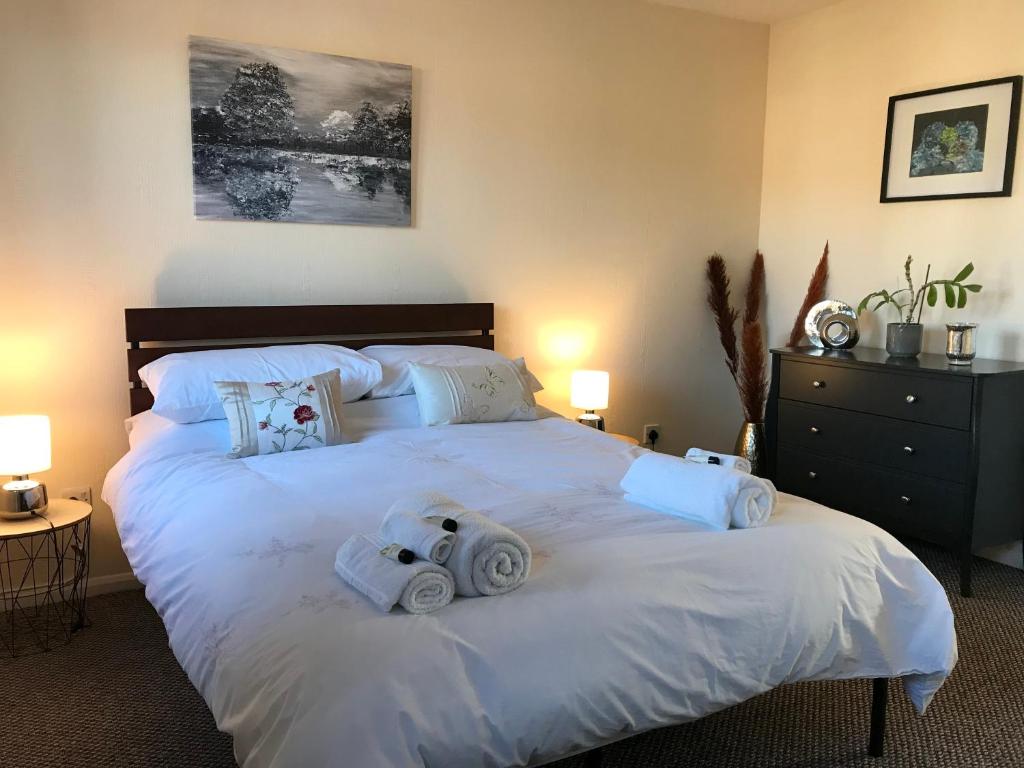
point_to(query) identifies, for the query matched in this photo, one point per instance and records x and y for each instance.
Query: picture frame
(283, 135)
(952, 143)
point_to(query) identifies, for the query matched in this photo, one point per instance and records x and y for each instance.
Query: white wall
(830, 76)
(575, 162)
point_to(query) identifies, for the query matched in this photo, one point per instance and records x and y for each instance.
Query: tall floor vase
(750, 445)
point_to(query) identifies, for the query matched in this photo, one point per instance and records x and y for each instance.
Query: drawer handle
(911, 398)
(812, 475)
(908, 450)
(815, 430)
(905, 500)
(818, 384)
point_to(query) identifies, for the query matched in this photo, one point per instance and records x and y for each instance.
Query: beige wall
(830, 76)
(575, 161)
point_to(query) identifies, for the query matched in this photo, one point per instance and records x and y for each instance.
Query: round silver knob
(815, 430)
(812, 475)
(818, 384)
(905, 499)
(908, 450)
(911, 398)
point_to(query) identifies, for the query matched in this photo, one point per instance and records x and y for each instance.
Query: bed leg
(593, 758)
(879, 699)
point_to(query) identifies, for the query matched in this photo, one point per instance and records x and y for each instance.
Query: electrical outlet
(645, 436)
(81, 493)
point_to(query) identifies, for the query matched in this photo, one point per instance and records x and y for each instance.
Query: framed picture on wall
(952, 142)
(292, 136)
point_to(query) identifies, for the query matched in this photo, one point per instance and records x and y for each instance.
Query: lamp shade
(24, 444)
(589, 390)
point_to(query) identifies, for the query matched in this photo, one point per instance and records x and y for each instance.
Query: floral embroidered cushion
(394, 359)
(281, 416)
(469, 394)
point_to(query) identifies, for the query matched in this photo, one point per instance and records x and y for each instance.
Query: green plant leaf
(973, 287)
(963, 273)
(950, 296)
(961, 299)
(880, 304)
(933, 295)
(864, 302)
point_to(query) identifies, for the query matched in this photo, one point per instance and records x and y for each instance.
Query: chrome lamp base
(21, 498)
(591, 419)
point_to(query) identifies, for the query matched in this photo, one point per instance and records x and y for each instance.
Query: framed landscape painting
(952, 142)
(291, 136)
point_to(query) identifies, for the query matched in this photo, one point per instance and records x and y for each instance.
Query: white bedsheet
(629, 620)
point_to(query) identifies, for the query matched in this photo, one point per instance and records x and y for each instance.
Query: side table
(44, 576)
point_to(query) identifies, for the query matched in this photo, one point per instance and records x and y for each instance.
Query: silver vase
(750, 445)
(960, 343)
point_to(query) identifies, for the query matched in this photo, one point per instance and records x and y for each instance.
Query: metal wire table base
(43, 583)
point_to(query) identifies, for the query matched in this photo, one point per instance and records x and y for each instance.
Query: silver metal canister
(960, 343)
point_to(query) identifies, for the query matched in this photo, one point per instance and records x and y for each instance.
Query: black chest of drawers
(919, 447)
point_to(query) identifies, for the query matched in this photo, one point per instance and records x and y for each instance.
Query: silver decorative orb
(832, 324)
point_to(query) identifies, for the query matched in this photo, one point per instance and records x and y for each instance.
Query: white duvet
(630, 619)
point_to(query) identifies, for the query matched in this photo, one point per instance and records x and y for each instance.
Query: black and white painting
(952, 142)
(292, 136)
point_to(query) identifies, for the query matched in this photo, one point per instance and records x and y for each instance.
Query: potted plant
(903, 338)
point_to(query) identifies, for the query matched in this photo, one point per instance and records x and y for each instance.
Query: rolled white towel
(419, 587)
(487, 558)
(724, 459)
(714, 495)
(427, 539)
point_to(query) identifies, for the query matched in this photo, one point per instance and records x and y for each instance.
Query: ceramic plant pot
(904, 339)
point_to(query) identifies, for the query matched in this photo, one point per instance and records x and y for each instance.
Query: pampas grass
(725, 316)
(753, 370)
(748, 364)
(753, 378)
(815, 293)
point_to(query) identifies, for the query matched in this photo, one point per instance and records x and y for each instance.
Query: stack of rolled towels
(430, 548)
(714, 489)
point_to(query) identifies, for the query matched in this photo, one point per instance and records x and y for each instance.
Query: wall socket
(645, 435)
(81, 493)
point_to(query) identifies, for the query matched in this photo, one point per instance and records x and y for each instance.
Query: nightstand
(44, 574)
(624, 438)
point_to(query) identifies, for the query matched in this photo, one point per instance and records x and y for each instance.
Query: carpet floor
(115, 697)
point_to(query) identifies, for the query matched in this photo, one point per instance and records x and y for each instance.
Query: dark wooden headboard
(189, 329)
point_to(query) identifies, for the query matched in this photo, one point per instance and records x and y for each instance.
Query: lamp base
(591, 419)
(21, 498)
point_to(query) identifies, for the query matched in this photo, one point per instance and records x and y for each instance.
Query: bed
(630, 619)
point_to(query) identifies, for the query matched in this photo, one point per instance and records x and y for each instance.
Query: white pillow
(469, 394)
(396, 358)
(182, 382)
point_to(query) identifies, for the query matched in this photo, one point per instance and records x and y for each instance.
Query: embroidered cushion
(396, 378)
(281, 416)
(468, 394)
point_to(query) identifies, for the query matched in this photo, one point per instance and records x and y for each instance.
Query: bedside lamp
(590, 392)
(24, 449)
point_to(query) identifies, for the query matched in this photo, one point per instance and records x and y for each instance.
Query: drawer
(921, 507)
(824, 479)
(945, 402)
(906, 504)
(904, 446)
